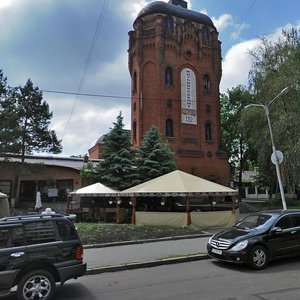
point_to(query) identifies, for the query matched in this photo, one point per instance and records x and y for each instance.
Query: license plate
(216, 251)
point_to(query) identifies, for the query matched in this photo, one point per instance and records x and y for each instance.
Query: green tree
(154, 157)
(25, 119)
(33, 121)
(8, 117)
(233, 135)
(276, 65)
(118, 169)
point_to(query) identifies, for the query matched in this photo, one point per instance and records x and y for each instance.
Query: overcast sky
(81, 46)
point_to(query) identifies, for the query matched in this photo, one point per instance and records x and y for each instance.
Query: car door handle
(17, 254)
(293, 232)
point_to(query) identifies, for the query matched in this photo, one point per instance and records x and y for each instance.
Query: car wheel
(35, 285)
(258, 257)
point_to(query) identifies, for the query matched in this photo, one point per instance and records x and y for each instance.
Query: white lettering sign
(188, 97)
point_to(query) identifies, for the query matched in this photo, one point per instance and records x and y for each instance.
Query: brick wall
(152, 49)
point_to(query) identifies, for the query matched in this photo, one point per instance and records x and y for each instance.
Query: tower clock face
(188, 97)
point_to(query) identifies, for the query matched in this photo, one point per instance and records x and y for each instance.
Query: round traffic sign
(279, 156)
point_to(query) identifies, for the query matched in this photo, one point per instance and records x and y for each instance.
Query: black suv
(36, 251)
(259, 238)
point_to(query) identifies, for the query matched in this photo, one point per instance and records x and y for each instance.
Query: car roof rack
(31, 217)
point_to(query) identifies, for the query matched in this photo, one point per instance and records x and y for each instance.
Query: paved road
(200, 280)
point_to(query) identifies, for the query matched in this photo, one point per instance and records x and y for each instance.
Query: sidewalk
(128, 255)
(147, 253)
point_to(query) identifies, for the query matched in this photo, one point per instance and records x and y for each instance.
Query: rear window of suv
(36, 232)
(66, 230)
(39, 232)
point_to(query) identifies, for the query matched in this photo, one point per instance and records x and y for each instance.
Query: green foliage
(25, 119)
(276, 65)
(8, 117)
(118, 169)
(88, 171)
(123, 166)
(233, 135)
(234, 139)
(91, 233)
(154, 157)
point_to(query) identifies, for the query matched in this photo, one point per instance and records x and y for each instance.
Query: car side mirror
(276, 230)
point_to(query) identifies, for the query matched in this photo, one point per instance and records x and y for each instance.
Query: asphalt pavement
(140, 254)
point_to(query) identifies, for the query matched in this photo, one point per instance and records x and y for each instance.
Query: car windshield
(255, 221)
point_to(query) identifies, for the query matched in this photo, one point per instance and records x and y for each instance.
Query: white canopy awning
(95, 190)
(178, 183)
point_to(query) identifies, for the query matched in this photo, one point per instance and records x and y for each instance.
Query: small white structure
(38, 201)
(48, 211)
(252, 191)
(94, 190)
(4, 206)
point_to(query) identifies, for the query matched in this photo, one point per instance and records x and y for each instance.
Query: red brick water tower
(175, 68)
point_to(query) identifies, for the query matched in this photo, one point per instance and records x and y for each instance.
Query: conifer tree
(118, 169)
(25, 121)
(154, 157)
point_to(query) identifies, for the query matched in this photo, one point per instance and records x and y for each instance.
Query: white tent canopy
(178, 183)
(95, 190)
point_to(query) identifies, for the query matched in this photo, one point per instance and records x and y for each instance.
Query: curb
(145, 264)
(124, 243)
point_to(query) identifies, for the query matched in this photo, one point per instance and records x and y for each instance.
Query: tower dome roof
(100, 140)
(174, 10)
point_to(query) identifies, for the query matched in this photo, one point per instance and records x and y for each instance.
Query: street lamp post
(266, 109)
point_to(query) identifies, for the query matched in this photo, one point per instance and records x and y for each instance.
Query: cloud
(4, 3)
(236, 64)
(238, 29)
(226, 21)
(130, 9)
(89, 121)
(109, 75)
(237, 61)
(278, 32)
(222, 22)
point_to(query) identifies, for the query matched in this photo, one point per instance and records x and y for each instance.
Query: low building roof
(49, 160)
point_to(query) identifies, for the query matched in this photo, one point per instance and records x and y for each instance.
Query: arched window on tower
(169, 76)
(134, 82)
(169, 128)
(208, 135)
(206, 84)
(206, 37)
(169, 23)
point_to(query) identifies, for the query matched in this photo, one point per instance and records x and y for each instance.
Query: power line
(244, 18)
(85, 94)
(115, 96)
(88, 61)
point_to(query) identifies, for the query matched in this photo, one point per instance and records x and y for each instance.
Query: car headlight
(210, 239)
(240, 246)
